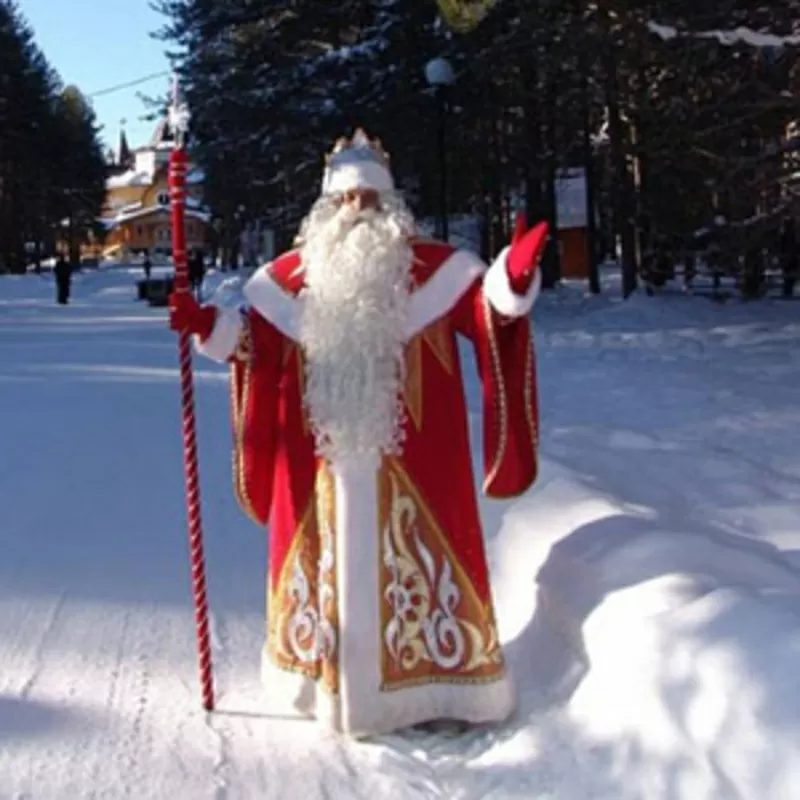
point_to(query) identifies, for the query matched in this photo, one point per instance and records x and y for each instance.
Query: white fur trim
(273, 303)
(361, 708)
(295, 694)
(357, 565)
(427, 304)
(224, 336)
(503, 299)
(357, 175)
(438, 296)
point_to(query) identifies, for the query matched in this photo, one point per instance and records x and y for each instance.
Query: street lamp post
(440, 76)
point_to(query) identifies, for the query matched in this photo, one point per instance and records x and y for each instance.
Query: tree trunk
(620, 189)
(645, 239)
(589, 173)
(552, 258)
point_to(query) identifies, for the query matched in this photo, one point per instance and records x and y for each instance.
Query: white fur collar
(428, 303)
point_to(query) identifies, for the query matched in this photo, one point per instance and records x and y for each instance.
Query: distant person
(63, 275)
(197, 269)
(147, 265)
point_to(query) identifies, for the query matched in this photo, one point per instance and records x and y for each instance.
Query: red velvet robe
(379, 606)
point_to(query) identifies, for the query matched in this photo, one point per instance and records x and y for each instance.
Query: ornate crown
(359, 148)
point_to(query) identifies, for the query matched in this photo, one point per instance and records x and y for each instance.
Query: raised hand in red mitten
(186, 315)
(526, 250)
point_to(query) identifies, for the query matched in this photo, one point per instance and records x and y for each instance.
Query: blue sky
(97, 44)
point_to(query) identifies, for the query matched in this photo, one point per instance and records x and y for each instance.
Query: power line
(120, 86)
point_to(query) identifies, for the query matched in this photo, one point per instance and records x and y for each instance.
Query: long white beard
(355, 307)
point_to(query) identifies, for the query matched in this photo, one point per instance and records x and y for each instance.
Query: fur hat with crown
(357, 163)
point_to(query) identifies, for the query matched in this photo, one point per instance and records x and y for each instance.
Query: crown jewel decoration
(359, 148)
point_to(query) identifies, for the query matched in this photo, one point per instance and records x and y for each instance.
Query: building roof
(129, 214)
(143, 171)
(146, 177)
(162, 135)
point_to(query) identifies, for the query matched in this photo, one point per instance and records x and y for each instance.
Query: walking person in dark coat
(63, 274)
(147, 265)
(197, 271)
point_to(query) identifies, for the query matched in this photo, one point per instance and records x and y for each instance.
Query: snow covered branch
(730, 37)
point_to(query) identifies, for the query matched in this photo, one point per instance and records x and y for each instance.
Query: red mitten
(186, 315)
(523, 257)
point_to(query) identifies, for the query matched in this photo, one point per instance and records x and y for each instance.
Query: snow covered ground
(648, 586)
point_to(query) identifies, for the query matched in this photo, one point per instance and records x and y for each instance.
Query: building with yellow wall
(136, 215)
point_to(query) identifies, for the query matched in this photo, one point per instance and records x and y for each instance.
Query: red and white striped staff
(179, 123)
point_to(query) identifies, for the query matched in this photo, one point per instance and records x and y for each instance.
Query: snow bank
(692, 656)
(654, 611)
(728, 37)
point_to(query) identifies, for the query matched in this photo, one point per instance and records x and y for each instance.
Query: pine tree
(674, 133)
(79, 168)
(51, 163)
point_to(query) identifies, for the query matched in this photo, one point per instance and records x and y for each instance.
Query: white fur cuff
(224, 336)
(503, 299)
(273, 303)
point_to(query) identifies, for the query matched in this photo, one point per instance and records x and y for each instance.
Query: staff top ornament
(178, 115)
(464, 15)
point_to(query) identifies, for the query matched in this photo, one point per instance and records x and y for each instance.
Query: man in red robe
(352, 445)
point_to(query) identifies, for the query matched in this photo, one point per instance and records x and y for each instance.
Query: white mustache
(348, 217)
(346, 220)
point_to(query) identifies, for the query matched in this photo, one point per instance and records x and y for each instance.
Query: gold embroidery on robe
(292, 351)
(500, 399)
(238, 406)
(327, 594)
(530, 414)
(303, 618)
(434, 626)
(438, 338)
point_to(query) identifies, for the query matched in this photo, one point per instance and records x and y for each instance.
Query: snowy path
(667, 502)
(98, 694)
